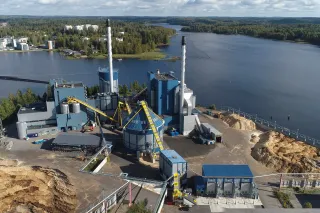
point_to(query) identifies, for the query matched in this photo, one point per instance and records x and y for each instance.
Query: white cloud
(162, 7)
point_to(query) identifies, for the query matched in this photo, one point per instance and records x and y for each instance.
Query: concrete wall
(40, 131)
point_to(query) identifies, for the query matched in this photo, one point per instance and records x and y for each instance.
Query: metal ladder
(151, 124)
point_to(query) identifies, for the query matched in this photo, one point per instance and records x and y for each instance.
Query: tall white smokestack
(183, 70)
(110, 55)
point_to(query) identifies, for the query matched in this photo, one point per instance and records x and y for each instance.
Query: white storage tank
(64, 108)
(171, 162)
(22, 129)
(76, 108)
(137, 134)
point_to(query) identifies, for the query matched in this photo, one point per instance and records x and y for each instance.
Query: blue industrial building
(162, 93)
(104, 80)
(73, 116)
(226, 181)
(164, 99)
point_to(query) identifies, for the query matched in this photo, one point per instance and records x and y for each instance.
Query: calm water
(263, 77)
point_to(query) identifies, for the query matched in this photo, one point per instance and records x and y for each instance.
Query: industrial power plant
(169, 105)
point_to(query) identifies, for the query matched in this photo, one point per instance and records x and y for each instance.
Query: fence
(273, 125)
(105, 202)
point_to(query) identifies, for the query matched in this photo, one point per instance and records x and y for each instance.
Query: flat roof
(33, 108)
(75, 138)
(165, 76)
(173, 156)
(228, 170)
(212, 129)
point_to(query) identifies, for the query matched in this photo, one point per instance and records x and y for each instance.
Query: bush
(213, 107)
(307, 205)
(284, 199)
(140, 207)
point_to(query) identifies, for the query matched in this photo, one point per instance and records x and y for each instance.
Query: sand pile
(285, 154)
(238, 122)
(34, 189)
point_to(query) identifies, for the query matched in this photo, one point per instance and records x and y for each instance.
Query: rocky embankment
(285, 154)
(238, 122)
(26, 189)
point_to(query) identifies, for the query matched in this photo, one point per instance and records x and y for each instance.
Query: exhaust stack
(183, 70)
(110, 56)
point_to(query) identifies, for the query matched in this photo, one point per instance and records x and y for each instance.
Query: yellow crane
(119, 109)
(151, 124)
(73, 99)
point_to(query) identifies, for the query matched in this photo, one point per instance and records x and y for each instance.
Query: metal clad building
(162, 93)
(171, 162)
(229, 181)
(71, 120)
(104, 80)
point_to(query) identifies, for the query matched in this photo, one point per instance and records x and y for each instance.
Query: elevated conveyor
(199, 125)
(128, 107)
(151, 124)
(72, 100)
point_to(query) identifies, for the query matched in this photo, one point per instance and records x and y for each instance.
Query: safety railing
(103, 198)
(275, 126)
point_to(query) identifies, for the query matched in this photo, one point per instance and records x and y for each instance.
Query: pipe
(183, 70)
(110, 55)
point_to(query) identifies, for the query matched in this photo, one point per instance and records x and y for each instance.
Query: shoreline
(28, 51)
(288, 41)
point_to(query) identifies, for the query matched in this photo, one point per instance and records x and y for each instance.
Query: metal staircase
(72, 100)
(151, 124)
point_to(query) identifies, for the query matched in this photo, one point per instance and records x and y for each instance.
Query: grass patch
(94, 164)
(155, 55)
(283, 198)
(173, 59)
(299, 190)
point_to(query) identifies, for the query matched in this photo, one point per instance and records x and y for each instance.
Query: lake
(258, 76)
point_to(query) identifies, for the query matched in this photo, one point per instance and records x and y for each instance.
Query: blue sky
(292, 8)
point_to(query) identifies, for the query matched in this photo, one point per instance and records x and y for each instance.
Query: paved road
(236, 149)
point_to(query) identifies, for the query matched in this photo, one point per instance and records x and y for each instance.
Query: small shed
(171, 162)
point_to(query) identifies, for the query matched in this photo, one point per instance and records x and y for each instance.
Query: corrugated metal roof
(211, 170)
(77, 139)
(173, 156)
(140, 122)
(212, 129)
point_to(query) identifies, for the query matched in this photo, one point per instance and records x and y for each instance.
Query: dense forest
(137, 38)
(291, 29)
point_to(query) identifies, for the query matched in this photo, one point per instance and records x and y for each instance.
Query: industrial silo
(137, 134)
(104, 80)
(76, 107)
(64, 108)
(22, 129)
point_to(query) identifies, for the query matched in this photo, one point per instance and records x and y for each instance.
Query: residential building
(22, 46)
(103, 39)
(3, 24)
(22, 40)
(87, 26)
(121, 33)
(3, 44)
(95, 27)
(68, 27)
(119, 39)
(85, 39)
(79, 27)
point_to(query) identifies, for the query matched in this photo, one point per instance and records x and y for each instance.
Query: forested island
(130, 39)
(286, 29)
